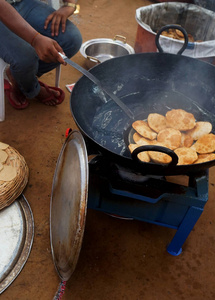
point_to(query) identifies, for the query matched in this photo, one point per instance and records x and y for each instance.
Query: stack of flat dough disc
(14, 174)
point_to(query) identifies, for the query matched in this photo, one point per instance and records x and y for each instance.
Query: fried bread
(180, 119)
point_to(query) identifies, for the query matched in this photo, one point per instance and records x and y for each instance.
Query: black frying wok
(146, 83)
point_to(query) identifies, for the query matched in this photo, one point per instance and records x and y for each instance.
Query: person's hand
(58, 18)
(48, 49)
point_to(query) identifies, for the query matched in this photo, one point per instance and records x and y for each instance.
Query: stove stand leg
(193, 214)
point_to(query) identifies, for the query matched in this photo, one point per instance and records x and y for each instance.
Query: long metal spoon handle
(127, 111)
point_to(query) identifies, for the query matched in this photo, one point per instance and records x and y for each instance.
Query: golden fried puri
(200, 129)
(186, 156)
(143, 156)
(180, 119)
(186, 140)
(143, 129)
(170, 137)
(206, 144)
(205, 158)
(159, 157)
(156, 122)
(140, 140)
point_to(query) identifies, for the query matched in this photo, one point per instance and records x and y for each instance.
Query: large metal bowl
(99, 50)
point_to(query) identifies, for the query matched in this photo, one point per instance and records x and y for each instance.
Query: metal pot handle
(121, 37)
(157, 149)
(172, 26)
(94, 59)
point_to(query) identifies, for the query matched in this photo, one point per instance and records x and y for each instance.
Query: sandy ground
(119, 260)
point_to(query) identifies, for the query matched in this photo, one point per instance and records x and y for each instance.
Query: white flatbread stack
(14, 174)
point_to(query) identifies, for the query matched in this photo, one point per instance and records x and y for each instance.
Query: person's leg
(70, 41)
(24, 64)
(23, 60)
(35, 13)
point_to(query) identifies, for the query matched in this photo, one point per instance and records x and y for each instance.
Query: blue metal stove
(151, 199)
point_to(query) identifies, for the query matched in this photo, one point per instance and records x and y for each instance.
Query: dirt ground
(119, 260)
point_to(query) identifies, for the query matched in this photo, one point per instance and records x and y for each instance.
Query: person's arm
(60, 16)
(46, 48)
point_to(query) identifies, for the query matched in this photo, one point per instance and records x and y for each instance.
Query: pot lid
(69, 204)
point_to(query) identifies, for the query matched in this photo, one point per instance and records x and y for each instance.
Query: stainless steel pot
(99, 50)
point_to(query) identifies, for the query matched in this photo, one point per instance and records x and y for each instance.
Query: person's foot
(16, 98)
(51, 96)
(48, 95)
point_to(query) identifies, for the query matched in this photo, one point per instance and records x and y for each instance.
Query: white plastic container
(197, 21)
